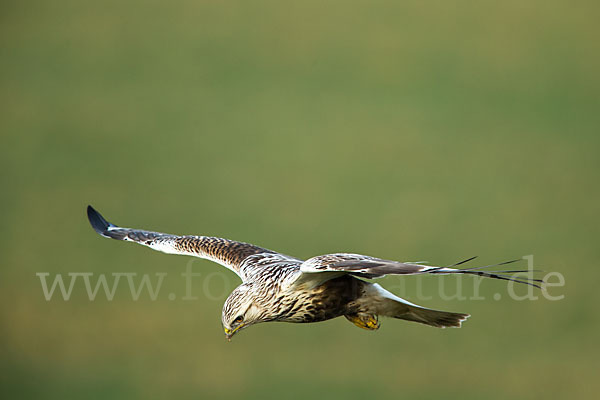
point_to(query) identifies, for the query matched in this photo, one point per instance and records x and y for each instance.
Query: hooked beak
(230, 332)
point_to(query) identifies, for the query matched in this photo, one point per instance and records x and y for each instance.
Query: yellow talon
(368, 322)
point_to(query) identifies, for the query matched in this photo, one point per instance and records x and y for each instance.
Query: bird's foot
(365, 321)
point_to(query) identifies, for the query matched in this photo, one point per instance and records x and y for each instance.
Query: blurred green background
(407, 130)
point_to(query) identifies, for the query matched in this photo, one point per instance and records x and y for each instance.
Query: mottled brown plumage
(276, 287)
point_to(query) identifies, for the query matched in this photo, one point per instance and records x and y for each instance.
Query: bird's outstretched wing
(226, 252)
(371, 267)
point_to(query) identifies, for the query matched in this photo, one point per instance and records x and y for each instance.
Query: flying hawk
(276, 287)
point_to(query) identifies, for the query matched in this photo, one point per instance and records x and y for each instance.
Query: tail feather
(438, 319)
(382, 302)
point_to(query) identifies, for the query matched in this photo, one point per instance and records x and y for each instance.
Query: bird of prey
(277, 287)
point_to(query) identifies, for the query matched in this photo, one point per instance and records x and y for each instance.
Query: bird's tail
(388, 304)
(439, 319)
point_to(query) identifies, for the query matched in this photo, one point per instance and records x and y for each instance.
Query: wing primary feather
(494, 275)
(98, 222)
(228, 253)
(462, 262)
(492, 265)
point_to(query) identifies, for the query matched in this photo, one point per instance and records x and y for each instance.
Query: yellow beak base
(230, 332)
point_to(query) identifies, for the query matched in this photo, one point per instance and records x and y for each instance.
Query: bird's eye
(238, 320)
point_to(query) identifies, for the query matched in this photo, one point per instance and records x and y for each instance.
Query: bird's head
(242, 309)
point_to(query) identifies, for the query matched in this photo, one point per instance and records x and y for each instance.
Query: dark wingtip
(462, 262)
(97, 221)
